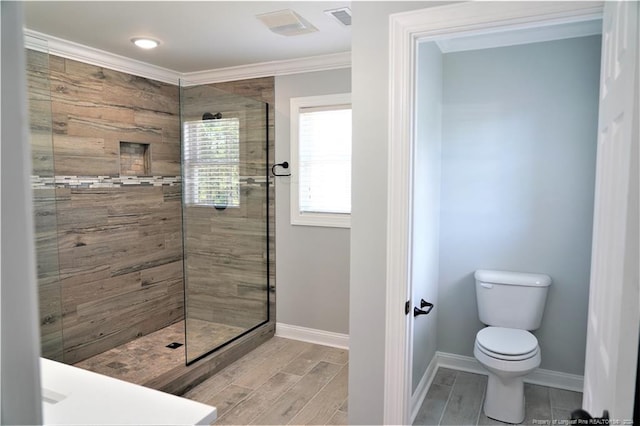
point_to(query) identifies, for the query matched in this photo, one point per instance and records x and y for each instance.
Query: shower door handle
(423, 303)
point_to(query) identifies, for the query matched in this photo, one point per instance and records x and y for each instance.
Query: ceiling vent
(286, 23)
(342, 15)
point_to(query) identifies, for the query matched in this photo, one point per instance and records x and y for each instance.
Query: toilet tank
(511, 299)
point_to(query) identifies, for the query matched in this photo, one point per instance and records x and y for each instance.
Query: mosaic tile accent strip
(42, 182)
(39, 182)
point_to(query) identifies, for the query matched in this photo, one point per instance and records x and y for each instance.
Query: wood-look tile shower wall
(119, 246)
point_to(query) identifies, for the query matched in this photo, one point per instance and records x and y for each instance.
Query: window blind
(324, 159)
(211, 162)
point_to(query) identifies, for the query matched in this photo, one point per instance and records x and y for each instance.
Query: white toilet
(510, 303)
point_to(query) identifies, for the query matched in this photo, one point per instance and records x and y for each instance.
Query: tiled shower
(116, 243)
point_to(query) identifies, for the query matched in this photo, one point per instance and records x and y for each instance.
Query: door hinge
(407, 307)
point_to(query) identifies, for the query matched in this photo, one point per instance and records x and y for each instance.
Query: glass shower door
(44, 201)
(225, 217)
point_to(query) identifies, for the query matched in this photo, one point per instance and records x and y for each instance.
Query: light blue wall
(426, 204)
(312, 284)
(518, 170)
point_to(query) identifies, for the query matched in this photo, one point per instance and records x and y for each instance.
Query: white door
(614, 301)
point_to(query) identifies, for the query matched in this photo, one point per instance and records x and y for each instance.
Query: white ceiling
(194, 36)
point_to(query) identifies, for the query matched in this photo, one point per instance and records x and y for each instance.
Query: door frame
(405, 31)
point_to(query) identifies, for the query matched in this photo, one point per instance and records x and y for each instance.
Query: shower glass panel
(44, 201)
(225, 216)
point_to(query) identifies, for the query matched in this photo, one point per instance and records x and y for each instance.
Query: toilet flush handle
(485, 285)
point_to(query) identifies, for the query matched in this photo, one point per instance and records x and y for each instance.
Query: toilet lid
(507, 341)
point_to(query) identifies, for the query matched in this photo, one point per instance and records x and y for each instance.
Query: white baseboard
(540, 376)
(423, 387)
(460, 363)
(312, 335)
(550, 378)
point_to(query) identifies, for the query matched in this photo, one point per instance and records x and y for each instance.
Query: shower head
(209, 116)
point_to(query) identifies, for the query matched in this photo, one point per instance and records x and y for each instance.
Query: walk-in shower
(154, 220)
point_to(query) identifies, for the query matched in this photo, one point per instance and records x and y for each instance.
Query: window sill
(322, 220)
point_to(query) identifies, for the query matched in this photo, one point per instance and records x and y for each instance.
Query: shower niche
(135, 159)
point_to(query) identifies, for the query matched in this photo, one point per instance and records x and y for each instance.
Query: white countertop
(73, 396)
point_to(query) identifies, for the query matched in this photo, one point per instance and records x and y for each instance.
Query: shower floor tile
(205, 336)
(141, 359)
(148, 357)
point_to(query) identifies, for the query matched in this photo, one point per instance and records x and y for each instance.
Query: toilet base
(504, 400)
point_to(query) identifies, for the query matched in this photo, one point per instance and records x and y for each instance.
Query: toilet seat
(507, 344)
(503, 357)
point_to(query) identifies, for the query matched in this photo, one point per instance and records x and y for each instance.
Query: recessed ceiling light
(145, 43)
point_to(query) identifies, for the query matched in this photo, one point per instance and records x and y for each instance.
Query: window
(211, 162)
(321, 160)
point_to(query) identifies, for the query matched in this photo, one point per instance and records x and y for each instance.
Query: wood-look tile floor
(456, 398)
(281, 382)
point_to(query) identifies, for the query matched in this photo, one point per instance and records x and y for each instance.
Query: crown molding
(268, 69)
(78, 52)
(67, 49)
